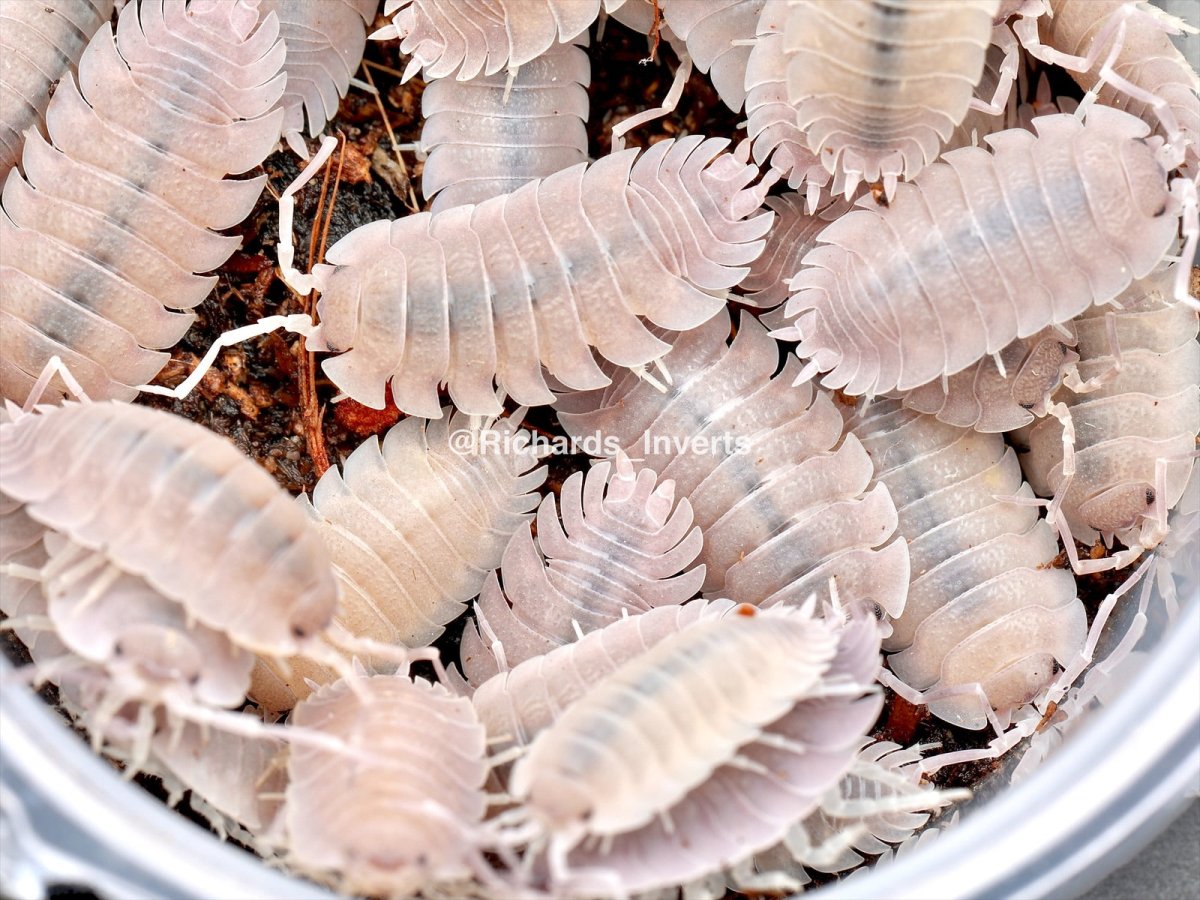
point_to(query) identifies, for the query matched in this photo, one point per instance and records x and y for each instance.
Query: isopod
(987, 616)
(39, 43)
(779, 494)
(464, 38)
(983, 249)
(491, 134)
(325, 44)
(405, 816)
(878, 87)
(537, 278)
(1148, 76)
(413, 525)
(658, 765)
(622, 548)
(101, 239)
(1134, 430)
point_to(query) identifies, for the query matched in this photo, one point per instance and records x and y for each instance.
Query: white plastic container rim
(67, 817)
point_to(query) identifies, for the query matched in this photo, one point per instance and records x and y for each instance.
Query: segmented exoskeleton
(538, 278)
(100, 240)
(464, 38)
(666, 771)
(792, 235)
(325, 42)
(1135, 432)
(489, 135)
(1149, 77)
(405, 815)
(718, 36)
(986, 398)
(877, 805)
(878, 86)
(770, 118)
(413, 525)
(39, 43)
(987, 615)
(620, 549)
(165, 499)
(983, 249)
(779, 494)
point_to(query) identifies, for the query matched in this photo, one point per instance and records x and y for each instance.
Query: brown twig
(655, 28)
(411, 201)
(311, 413)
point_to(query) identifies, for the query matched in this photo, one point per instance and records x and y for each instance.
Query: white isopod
(491, 134)
(676, 733)
(983, 249)
(987, 616)
(1134, 432)
(621, 548)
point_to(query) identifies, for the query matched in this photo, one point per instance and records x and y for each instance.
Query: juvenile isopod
(624, 546)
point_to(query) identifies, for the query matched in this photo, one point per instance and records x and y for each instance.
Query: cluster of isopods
(843, 429)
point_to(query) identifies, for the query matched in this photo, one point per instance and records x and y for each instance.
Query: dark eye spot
(1162, 209)
(299, 631)
(1028, 406)
(1150, 495)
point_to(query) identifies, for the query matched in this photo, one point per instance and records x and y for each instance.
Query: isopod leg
(1002, 37)
(298, 281)
(54, 366)
(668, 105)
(299, 323)
(1186, 193)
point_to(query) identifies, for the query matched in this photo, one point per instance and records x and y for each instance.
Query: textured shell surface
(879, 86)
(404, 815)
(988, 399)
(539, 277)
(1147, 58)
(486, 136)
(413, 525)
(464, 38)
(792, 739)
(792, 235)
(770, 118)
(325, 42)
(1147, 412)
(985, 604)
(780, 496)
(168, 500)
(39, 43)
(233, 780)
(102, 237)
(621, 549)
(1031, 235)
(878, 804)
